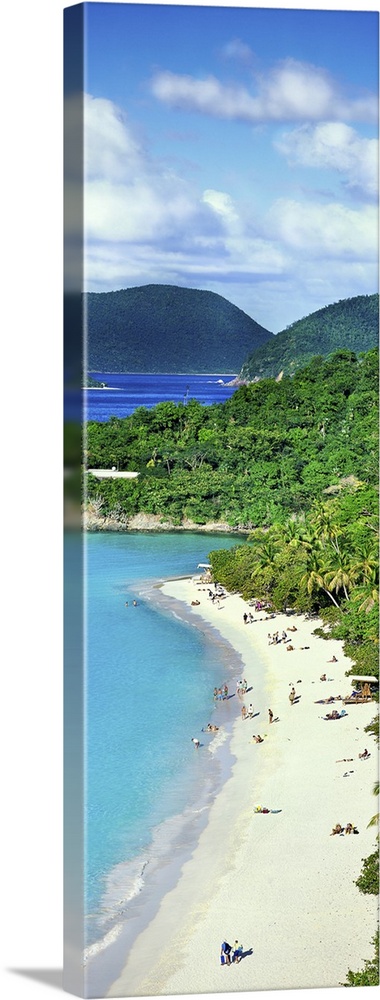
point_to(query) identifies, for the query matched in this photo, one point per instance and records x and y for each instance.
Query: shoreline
(93, 522)
(236, 883)
(157, 869)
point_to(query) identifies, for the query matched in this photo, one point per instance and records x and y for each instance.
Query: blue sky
(235, 150)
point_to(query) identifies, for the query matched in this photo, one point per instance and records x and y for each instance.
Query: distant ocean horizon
(124, 391)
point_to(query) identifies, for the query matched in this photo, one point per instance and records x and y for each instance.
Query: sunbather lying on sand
(257, 739)
(335, 715)
(338, 829)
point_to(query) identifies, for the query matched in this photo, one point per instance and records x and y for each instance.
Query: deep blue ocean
(149, 681)
(125, 392)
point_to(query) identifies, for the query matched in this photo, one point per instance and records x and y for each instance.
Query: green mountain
(351, 324)
(164, 328)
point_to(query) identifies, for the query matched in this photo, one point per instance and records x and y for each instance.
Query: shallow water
(150, 676)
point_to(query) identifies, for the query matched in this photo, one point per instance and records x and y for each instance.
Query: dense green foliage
(351, 324)
(368, 881)
(369, 975)
(294, 462)
(163, 328)
(257, 459)
(324, 562)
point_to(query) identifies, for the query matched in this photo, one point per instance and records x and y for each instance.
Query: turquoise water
(150, 677)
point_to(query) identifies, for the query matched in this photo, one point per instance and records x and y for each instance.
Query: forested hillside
(258, 458)
(294, 462)
(163, 328)
(351, 324)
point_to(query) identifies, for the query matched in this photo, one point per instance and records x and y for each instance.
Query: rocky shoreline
(93, 521)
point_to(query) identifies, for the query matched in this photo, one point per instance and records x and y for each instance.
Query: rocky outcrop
(94, 521)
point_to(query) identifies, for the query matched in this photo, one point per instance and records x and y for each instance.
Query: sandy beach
(278, 882)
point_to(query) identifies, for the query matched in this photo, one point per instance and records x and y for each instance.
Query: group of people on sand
(229, 954)
(218, 594)
(276, 639)
(335, 714)
(339, 830)
(248, 618)
(247, 713)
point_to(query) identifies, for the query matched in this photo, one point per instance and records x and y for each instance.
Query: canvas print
(221, 361)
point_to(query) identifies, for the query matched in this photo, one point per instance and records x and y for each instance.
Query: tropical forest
(291, 466)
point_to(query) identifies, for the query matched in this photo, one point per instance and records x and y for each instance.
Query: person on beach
(292, 695)
(364, 755)
(244, 713)
(210, 728)
(237, 952)
(196, 742)
(335, 715)
(225, 953)
(270, 713)
(337, 829)
(250, 711)
(333, 660)
(323, 677)
(257, 739)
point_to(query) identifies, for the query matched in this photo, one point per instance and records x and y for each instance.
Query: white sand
(279, 882)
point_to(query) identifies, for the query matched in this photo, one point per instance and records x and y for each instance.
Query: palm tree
(368, 594)
(265, 556)
(325, 527)
(265, 559)
(375, 819)
(367, 563)
(340, 579)
(290, 533)
(315, 578)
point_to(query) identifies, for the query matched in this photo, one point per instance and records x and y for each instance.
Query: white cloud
(144, 223)
(236, 49)
(291, 91)
(336, 146)
(127, 196)
(110, 147)
(223, 205)
(325, 231)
